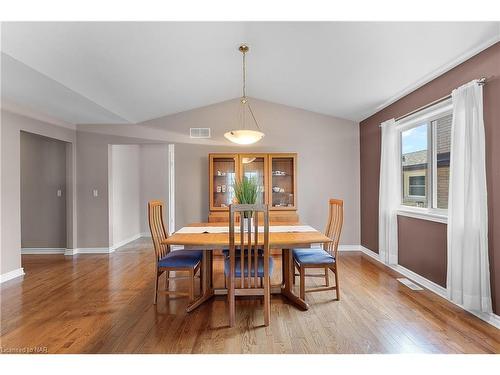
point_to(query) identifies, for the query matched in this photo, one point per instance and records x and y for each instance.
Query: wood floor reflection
(103, 304)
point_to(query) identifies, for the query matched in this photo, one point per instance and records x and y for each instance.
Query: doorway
(43, 194)
(138, 173)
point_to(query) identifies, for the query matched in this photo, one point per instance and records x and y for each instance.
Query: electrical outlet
(59, 193)
(95, 192)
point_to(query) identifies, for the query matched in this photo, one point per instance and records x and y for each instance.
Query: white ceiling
(129, 72)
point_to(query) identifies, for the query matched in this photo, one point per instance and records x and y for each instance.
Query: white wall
(125, 193)
(138, 174)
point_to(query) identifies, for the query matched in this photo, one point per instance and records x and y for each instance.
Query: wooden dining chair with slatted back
(166, 261)
(249, 259)
(327, 258)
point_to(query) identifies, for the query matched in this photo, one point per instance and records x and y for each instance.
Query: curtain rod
(481, 82)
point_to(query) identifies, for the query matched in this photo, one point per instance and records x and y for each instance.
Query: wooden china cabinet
(276, 176)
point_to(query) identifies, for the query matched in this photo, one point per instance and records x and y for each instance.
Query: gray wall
(92, 166)
(328, 159)
(11, 126)
(154, 179)
(328, 166)
(43, 173)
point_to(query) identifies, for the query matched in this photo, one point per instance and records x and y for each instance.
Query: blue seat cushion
(260, 267)
(181, 259)
(225, 252)
(312, 256)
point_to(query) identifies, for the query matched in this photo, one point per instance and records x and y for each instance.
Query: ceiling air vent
(199, 132)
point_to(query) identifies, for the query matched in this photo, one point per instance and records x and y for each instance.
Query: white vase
(245, 224)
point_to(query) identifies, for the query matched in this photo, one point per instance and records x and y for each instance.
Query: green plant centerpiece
(245, 192)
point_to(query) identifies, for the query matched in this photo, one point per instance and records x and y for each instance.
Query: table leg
(283, 266)
(288, 274)
(211, 269)
(207, 291)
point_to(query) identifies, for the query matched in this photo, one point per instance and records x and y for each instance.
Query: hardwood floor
(103, 304)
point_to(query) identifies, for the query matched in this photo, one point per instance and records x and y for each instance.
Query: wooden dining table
(285, 239)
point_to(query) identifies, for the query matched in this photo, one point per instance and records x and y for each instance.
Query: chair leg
(156, 289)
(191, 286)
(232, 302)
(267, 300)
(282, 268)
(201, 278)
(327, 279)
(167, 280)
(337, 289)
(302, 272)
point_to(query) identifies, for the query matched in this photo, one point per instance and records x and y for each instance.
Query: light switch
(95, 192)
(59, 193)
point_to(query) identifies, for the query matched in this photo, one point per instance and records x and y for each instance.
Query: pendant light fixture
(244, 136)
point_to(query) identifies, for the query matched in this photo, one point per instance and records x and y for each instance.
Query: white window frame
(428, 116)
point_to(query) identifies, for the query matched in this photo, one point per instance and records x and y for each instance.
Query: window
(425, 158)
(417, 186)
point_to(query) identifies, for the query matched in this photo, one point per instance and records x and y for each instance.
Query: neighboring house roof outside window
(415, 158)
(418, 160)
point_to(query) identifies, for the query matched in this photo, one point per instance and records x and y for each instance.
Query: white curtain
(468, 279)
(389, 193)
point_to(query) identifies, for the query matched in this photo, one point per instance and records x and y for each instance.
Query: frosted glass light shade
(244, 137)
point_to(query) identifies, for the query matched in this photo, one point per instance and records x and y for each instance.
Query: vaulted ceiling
(129, 72)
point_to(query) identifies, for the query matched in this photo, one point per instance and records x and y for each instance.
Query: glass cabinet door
(223, 170)
(283, 181)
(254, 166)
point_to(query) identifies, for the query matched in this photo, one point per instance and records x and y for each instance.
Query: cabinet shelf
(263, 167)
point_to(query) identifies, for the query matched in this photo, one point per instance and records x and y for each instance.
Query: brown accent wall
(485, 64)
(428, 261)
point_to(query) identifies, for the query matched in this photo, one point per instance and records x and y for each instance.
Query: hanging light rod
(245, 136)
(480, 82)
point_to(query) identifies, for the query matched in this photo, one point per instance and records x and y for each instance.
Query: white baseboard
(126, 241)
(350, 247)
(89, 250)
(101, 250)
(489, 318)
(146, 234)
(371, 254)
(427, 284)
(71, 252)
(42, 250)
(63, 251)
(11, 275)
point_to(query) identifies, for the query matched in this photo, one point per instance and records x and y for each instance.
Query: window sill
(423, 214)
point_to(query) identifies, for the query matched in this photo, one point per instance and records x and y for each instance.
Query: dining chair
(166, 260)
(327, 258)
(252, 268)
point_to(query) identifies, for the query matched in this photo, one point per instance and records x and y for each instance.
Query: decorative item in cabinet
(283, 181)
(270, 170)
(223, 170)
